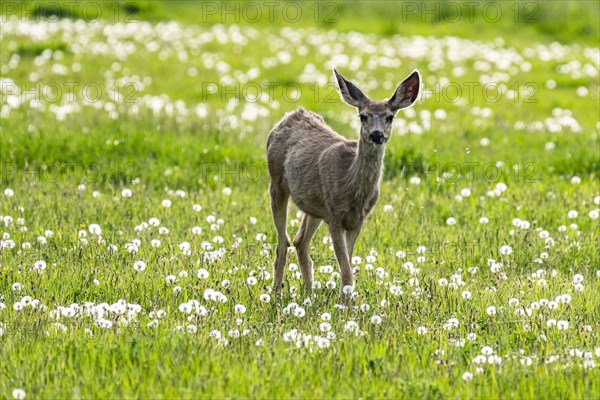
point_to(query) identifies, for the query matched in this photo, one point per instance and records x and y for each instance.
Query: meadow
(137, 239)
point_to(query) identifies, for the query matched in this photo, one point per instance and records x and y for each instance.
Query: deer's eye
(389, 119)
(363, 118)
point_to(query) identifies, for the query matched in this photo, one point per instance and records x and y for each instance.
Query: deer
(329, 177)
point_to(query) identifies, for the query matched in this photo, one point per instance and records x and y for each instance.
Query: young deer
(330, 178)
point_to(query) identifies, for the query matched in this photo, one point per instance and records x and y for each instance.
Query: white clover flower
(18, 394)
(421, 330)
(388, 208)
(487, 350)
(483, 220)
(126, 193)
(572, 214)
(376, 320)
(466, 295)
(451, 221)
(471, 337)
(226, 191)
(467, 376)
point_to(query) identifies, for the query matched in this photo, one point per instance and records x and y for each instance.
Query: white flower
(491, 310)
(451, 221)
(487, 350)
(505, 250)
(265, 298)
(376, 320)
(325, 326)
(202, 273)
(95, 229)
(415, 180)
(562, 325)
(8, 192)
(572, 214)
(166, 203)
(467, 376)
(18, 394)
(154, 221)
(526, 361)
(388, 208)
(299, 312)
(139, 266)
(239, 309)
(227, 191)
(421, 330)
(126, 193)
(483, 220)
(466, 295)
(395, 290)
(39, 266)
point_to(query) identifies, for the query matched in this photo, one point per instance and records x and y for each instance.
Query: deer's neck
(365, 171)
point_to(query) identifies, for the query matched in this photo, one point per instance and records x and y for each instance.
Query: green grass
(69, 173)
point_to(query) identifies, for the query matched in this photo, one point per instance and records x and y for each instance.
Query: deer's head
(376, 116)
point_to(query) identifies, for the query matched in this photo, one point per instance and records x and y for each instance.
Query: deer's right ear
(350, 93)
(406, 94)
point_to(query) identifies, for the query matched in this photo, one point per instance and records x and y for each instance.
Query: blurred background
(179, 84)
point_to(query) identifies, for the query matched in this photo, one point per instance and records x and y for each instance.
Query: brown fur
(330, 178)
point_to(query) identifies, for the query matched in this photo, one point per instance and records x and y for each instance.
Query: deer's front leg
(340, 246)
(350, 241)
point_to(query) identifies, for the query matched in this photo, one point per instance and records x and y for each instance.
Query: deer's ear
(406, 93)
(350, 93)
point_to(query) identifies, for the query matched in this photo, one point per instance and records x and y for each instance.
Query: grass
(64, 173)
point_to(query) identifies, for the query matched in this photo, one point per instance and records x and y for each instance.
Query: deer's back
(293, 151)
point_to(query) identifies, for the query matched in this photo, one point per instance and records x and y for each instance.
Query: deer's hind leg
(279, 203)
(308, 227)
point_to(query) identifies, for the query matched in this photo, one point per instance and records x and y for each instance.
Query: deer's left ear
(406, 93)
(351, 94)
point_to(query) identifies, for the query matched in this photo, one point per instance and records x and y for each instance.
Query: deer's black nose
(377, 137)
